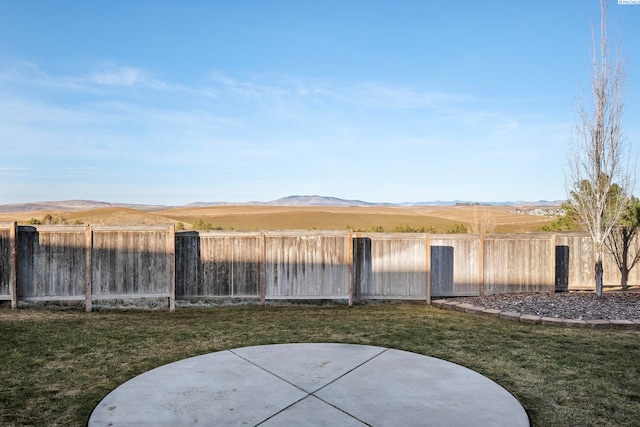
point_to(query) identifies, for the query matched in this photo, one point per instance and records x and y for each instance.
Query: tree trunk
(624, 280)
(624, 267)
(599, 278)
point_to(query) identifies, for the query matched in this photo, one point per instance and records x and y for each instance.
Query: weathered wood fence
(92, 263)
(89, 263)
(8, 263)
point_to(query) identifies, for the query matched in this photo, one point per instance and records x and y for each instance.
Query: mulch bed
(565, 305)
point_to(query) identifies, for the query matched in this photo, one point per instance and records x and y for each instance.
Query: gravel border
(620, 310)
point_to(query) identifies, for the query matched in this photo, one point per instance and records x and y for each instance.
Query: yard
(56, 365)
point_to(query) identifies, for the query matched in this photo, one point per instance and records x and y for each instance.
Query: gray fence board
(301, 264)
(514, 264)
(581, 263)
(456, 265)
(131, 262)
(580, 267)
(218, 264)
(107, 262)
(391, 265)
(51, 263)
(5, 261)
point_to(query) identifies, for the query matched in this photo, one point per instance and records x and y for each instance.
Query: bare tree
(623, 242)
(598, 156)
(483, 222)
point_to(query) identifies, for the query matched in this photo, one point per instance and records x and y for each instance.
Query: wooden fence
(8, 263)
(95, 263)
(391, 266)
(419, 266)
(512, 264)
(132, 262)
(308, 265)
(91, 263)
(52, 263)
(218, 264)
(456, 265)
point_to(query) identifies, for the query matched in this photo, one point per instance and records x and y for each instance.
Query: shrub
(412, 229)
(561, 224)
(458, 229)
(49, 219)
(374, 229)
(204, 226)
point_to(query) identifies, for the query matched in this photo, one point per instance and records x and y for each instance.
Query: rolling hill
(295, 212)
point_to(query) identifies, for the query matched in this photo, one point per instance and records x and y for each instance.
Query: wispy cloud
(13, 171)
(79, 172)
(99, 80)
(112, 75)
(231, 102)
(25, 73)
(269, 92)
(364, 94)
(402, 97)
(119, 123)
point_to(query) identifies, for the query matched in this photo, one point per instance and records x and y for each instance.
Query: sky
(172, 102)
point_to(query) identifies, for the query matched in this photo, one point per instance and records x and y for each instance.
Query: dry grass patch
(503, 219)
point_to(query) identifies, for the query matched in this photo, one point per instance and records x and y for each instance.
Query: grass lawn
(55, 366)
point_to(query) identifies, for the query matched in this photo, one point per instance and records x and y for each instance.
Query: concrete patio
(310, 385)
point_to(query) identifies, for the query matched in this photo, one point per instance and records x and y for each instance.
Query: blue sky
(171, 102)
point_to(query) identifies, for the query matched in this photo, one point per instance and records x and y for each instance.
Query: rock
(566, 305)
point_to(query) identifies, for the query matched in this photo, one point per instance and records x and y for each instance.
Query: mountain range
(81, 205)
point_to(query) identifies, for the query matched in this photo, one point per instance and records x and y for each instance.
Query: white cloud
(13, 171)
(222, 78)
(112, 75)
(367, 94)
(242, 131)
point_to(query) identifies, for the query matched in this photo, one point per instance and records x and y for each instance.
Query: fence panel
(514, 264)
(188, 283)
(313, 265)
(54, 263)
(456, 265)
(5, 261)
(51, 263)
(391, 265)
(581, 263)
(132, 262)
(612, 275)
(217, 264)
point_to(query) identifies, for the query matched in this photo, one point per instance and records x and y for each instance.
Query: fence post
(349, 253)
(13, 264)
(357, 266)
(263, 273)
(428, 268)
(552, 262)
(171, 254)
(88, 271)
(481, 262)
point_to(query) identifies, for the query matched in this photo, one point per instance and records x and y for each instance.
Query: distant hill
(337, 202)
(295, 201)
(83, 205)
(320, 201)
(73, 205)
(470, 203)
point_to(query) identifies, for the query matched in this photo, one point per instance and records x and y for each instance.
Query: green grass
(55, 366)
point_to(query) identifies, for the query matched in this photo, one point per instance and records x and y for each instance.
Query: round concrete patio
(310, 385)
